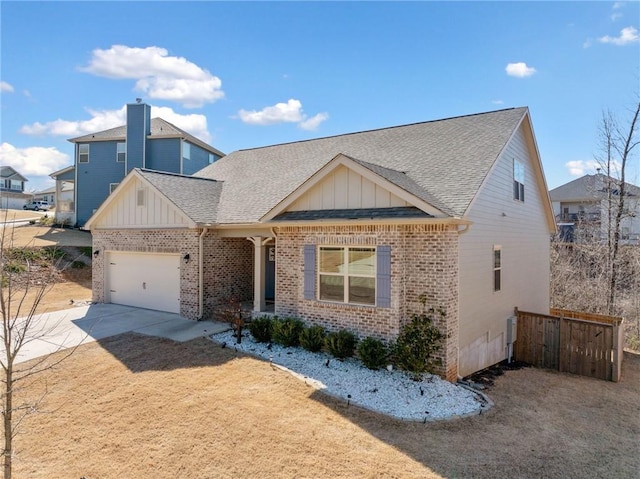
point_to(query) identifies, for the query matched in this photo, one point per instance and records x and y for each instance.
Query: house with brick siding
(348, 231)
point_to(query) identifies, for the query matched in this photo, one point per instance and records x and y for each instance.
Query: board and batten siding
(345, 189)
(156, 211)
(522, 232)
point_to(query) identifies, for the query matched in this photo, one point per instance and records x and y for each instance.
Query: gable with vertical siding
(137, 205)
(345, 189)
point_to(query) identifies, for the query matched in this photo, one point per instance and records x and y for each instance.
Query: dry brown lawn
(37, 235)
(136, 406)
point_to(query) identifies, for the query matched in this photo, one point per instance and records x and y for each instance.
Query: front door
(270, 273)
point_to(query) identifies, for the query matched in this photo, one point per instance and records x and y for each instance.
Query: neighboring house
(54, 197)
(104, 158)
(581, 208)
(12, 195)
(347, 231)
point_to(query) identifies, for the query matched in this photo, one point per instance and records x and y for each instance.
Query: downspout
(201, 274)
(460, 233)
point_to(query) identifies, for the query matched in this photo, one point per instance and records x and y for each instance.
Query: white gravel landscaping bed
(389, 392)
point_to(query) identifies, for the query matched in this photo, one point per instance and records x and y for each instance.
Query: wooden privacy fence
(571, 341)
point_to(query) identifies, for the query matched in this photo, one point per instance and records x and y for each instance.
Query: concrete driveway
(71, 327)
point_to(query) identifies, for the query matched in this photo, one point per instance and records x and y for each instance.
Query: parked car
(37, 206)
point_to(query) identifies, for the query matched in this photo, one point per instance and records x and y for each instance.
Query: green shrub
(312, 338)
(78, 265)
(341, 344)
(261, 329)
(15, 267)
(286, 332)
(417, 343)
(373, 353)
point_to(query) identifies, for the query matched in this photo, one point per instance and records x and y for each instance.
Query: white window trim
(112, 187)
(346, 275)
(498, 269)
(87, 154)
(519, 179)
(124, 160)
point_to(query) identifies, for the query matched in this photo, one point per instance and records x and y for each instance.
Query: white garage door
(144, 280)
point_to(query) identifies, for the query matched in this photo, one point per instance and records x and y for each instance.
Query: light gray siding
(522, 231)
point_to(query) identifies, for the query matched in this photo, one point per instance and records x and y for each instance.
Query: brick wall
(228, 264)
(424, 261)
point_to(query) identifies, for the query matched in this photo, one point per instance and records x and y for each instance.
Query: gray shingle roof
(354, 214)
(444, 160)
(197, 198)
(8, 172)
(159, 129)
(588, 188)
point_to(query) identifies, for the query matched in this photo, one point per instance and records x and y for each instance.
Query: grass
(137, 406)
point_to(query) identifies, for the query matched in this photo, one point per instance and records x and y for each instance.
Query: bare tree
(20, 296)
(624, 141)
(599, 273)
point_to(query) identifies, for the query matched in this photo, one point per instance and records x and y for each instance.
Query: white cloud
(158, 75)
(195, 124)
(313, 122)
(520, 70)
(6, 87)
(290, 112)
(33, 160)
(627, 35)
(582, 167)
(497, 102)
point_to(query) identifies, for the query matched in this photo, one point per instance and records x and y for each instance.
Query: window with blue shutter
(309, 271)
(383, 276)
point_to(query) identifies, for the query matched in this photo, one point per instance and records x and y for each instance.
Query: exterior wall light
(186, 258)
(96, 253)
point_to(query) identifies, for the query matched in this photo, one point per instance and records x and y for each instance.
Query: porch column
(259, 302)
(56, 206)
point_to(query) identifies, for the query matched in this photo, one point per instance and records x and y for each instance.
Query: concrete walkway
(70, 327)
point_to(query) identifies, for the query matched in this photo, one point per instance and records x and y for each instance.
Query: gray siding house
(104, 158)
(12, 195)
(581, 208)
(349, 231)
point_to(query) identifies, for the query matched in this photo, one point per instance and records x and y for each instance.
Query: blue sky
(241, 75)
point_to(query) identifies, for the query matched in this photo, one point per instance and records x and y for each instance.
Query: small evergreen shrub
(261, 329)
(286, 332)
(418, 342)
(373, 353)
(312, 338)
(341, 345)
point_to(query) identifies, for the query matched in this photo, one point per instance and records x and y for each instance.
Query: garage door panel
(145, 280)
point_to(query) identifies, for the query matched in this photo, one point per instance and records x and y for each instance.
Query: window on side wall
(518, 180)
(212, 158)
(186, 150)
(83, 153)
(112, 187)
(497, 268)
(121, 155)
(347, 275)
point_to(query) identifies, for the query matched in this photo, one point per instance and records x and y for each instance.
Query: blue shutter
(309, 271)
(383, 273)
